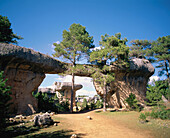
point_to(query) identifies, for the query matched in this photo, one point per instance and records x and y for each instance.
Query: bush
(92, 105)
(154, 92)
(159, 112)
(142, 117)
(51, 103)
(132, 102)
(4, 101)
(85, 105)
(99, 104)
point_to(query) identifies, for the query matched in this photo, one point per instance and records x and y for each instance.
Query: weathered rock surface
(64, 90)
(128, 80)
(41, 120)
(25, 70)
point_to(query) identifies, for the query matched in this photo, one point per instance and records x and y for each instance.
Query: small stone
(74, 136)
(52, 113)
(18, 117)
(89, 117)
(11, 120)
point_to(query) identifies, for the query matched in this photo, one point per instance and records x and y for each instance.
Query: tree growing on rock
(139, 48)
(112, 48)
(75, 44)
(6, 33)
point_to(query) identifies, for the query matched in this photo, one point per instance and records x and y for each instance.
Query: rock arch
(26, 69)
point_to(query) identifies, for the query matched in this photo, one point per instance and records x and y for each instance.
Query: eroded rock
(128, 80)
(42, 120)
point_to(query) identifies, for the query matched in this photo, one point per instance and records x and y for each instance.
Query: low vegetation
(46, 103)
(140, 122)
(4, 101)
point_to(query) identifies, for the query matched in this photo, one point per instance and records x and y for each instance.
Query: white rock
(89, 117)
(74, 136)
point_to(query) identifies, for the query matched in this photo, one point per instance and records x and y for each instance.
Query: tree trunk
(104, 97)
(166, 68)
(72, 90)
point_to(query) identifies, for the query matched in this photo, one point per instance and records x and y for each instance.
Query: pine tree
(112, 48)
(139, 48)
(161, 51)
(154, 92)
(76, 43)
(6, 33)
(4, 101)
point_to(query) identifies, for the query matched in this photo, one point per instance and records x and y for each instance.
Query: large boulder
(41, 120)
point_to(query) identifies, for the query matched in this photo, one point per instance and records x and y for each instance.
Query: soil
(100, 126)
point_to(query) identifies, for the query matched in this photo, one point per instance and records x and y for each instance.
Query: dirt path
(100, 126)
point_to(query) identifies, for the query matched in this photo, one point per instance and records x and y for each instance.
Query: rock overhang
(27, 59)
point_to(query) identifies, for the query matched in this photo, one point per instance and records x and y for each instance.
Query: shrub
(4, 101)
(51, 103)
(132, 102)
(154, 92)
(99, 104)
(142, 117)
(160, 112)
(92, 105)
(85, 105)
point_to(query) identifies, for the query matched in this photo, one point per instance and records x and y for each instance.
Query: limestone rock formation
(128, 80)
(64, 90)
(25, 70)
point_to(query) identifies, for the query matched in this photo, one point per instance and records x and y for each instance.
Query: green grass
(156, 127)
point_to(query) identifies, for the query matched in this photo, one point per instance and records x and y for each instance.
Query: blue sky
(41, 22)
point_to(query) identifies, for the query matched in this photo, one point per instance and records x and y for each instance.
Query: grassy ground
(157, 127)
(119, 123)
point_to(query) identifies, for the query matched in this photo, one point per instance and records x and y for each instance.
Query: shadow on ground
(27, 132)
(57, 134)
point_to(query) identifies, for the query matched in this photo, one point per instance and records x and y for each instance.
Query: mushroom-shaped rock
(25, 70)
(133, 79)
(64, 90)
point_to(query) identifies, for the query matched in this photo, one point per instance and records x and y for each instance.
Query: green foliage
(51, 103)
(159, 112)
(139, 48)
(85, 105)
(154, 93)
(63, 106)
(92, 105)
(99, 104)
(112, 47)
(76, 44)
(132, 102)
(142, 117)
(4, 101)
(6, 33)
(161, 51)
